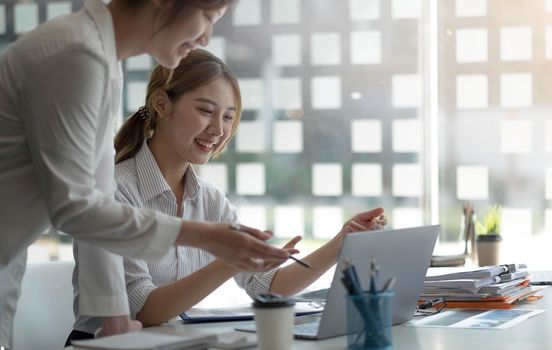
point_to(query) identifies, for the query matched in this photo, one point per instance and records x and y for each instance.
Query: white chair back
(44, 314)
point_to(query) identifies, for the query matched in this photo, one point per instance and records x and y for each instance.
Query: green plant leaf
(492, 221)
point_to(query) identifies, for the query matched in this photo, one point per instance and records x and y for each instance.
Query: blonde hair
(197, 69)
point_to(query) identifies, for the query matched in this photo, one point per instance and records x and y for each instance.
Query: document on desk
(149, 340)
(475, 319)
(242, 312)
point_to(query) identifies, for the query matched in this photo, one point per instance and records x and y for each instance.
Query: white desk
(533, 334)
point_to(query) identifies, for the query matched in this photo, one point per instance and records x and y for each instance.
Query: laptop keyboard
(541, 277)
(316, 295)
(306, 328)
(306, 325)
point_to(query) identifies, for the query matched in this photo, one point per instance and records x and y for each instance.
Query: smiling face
(175, 39)
(198, 123)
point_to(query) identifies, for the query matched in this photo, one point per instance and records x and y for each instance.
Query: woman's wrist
(193, 234)
(226, 268)
(337, 240)
(117, 325)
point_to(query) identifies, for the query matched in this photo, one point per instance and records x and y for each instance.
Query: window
(494, 119)
(354, 104)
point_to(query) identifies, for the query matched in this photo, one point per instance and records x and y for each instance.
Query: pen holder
(369, 321)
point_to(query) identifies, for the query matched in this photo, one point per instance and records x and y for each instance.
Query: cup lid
(266, 301)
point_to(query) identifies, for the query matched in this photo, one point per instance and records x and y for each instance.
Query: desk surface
(532, 334)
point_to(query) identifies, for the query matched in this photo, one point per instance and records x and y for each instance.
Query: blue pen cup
(369, 321)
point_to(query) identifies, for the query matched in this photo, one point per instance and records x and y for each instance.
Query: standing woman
(60, 88)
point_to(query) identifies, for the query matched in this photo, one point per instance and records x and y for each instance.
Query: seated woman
(190, 115)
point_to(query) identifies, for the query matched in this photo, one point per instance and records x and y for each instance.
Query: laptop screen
(404, 254)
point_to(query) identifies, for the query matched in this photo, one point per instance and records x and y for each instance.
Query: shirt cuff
(258, 283)
(160, 243)
(105, 305)
(138, 296)
(265, 281)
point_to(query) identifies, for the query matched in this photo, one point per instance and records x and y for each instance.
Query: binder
(493, 302)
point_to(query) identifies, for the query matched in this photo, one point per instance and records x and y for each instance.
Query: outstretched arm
(294, 278)
(240, 248)
(170, 300)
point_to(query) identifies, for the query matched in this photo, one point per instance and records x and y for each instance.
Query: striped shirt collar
(151, 181)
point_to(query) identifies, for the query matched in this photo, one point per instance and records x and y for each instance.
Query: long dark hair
(197, 69)
(180, 6)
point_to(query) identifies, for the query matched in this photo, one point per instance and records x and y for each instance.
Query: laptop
(404, 254)
(541, 278)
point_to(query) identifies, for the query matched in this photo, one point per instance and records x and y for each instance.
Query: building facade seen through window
(413, 105)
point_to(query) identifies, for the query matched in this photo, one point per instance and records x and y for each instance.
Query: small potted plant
(488, 237)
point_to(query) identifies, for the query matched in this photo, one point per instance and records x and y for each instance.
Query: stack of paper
(148, 340)
(491, 287)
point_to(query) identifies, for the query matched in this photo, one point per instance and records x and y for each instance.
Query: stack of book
(491, 287)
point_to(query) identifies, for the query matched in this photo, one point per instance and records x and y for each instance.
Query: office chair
(44, 315)
(469, 243)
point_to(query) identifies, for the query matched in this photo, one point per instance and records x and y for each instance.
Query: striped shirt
(141, 184)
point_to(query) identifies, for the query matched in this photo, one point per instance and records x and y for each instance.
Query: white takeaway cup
(274, 321)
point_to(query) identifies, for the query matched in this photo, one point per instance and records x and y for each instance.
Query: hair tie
(143, 113)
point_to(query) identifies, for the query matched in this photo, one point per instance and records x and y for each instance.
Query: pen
(375, 223)
(352, 274)
(389, 285)
(237, 227)
(348, 285)
(349, 274)
(300, 262)
(373, 276)
(362, 227)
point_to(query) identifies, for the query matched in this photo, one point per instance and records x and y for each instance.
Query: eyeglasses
(430, 307)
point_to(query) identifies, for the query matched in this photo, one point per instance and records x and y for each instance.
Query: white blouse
(141, 183)
(60, 88)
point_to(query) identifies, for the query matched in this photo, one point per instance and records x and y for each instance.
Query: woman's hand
(117, 325)
(239, 246)
(289, 247)
(367, 221)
